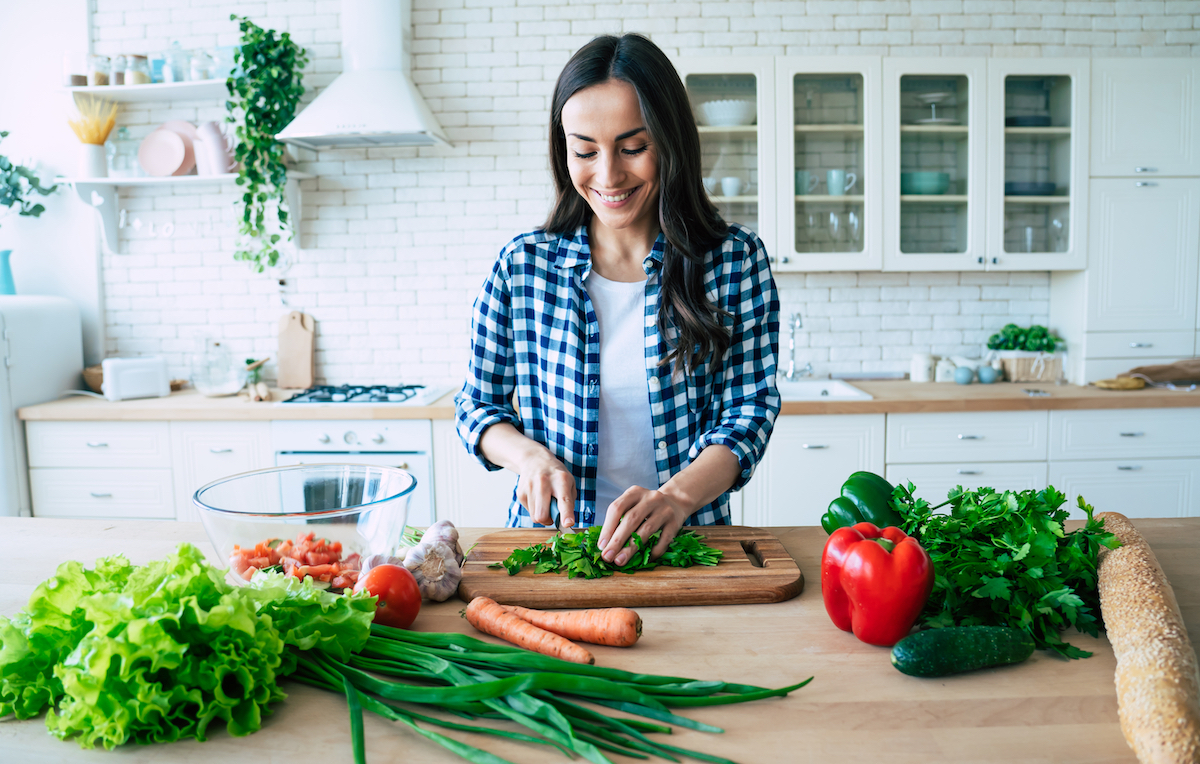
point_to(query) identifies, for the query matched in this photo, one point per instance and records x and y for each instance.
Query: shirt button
(655, 384)
(662, 445)
(592, 448)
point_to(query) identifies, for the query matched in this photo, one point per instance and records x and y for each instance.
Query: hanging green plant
(17, 184)
(264, 92)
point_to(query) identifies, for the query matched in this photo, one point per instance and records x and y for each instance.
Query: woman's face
(612, 162)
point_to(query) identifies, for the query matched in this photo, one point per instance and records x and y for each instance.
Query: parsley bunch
(579, 554)
(1003, 559)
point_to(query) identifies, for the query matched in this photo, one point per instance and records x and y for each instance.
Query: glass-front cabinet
(829, 159)
(1037, 174)
(934, 163)
(732, 100)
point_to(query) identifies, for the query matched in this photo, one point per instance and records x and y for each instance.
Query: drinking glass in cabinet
(726, 111)
(1037, 163)
(829, 152)
(934, 163)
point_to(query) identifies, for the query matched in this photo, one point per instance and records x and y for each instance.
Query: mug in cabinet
(839, 182)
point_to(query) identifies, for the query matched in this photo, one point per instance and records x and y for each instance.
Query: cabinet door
(1145, 238)
(1037, 183)
(1124, 434)
(934, 482)
(98, 444)
(934, 115)
(829, 152)
(101, 494)
(1133, 487)
(733, 101)
(202, 452)
(974, 436)
(1145, 117)
(805, 464)
(465, 493)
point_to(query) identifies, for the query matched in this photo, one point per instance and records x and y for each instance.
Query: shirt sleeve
(750, 400)
(486, 395)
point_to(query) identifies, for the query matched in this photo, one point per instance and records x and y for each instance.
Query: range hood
(373, 102)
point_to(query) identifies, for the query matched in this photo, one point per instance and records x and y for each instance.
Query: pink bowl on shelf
(186, 131)
(162, 153)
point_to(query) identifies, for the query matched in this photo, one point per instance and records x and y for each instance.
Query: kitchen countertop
(856, 709)
(890, 396)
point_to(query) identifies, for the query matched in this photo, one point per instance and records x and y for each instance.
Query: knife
(555, 514)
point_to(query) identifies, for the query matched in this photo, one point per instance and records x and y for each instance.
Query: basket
(1030, 366)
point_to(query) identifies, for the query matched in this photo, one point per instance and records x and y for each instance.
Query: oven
(403, 443)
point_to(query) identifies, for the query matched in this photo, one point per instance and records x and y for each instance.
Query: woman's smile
(616, 199)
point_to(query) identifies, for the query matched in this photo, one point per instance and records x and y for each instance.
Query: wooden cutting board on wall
(755, 568)
(295, 366)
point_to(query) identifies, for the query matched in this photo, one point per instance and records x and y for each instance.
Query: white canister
(921, 369)
(92, 161)
(944, 371)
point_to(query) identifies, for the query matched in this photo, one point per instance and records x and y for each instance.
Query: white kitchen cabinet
(1124, 433)
(98, 444)
(934, 482)
(102, 493)
(975, 436)
(1037, 136)
(1135, 487)
(806, 461)
(830, 113)
(467, 494)
(1145, 117)
(736, 154)
(202, 452)
(934, 163)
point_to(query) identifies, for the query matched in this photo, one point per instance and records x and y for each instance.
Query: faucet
(794, 324)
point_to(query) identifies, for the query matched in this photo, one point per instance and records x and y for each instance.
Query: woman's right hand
(544, 477)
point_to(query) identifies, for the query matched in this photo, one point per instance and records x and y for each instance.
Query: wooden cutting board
(295, 366)
(755, 568)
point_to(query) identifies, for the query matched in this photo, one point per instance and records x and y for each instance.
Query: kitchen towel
(1187, 370)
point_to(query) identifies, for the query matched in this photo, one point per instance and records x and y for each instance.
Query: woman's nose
(608, 173)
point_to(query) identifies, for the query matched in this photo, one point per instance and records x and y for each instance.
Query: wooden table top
(858, 708)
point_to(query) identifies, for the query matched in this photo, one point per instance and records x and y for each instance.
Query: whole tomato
(398, 593)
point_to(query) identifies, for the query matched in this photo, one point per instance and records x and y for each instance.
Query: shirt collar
(574, 251)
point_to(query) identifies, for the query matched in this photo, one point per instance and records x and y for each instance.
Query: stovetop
(409, 395)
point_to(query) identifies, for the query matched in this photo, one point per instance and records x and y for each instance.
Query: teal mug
(839, 182)
(806, 182)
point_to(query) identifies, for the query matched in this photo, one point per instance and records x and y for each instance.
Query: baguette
(1158, 686)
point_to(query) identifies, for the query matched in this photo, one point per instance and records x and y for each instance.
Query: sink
(819, 390)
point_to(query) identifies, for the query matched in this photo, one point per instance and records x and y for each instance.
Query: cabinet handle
(97, 445)
(1145, 169)
(100, 495)
(785, 260)
(970, 472)
(1132, 434)
(970, 437)
(979, 260)
(220, 450)
(1141, 344)
(1144, 183)
(377, 439)
(995, 260)
(1129, 467)
(813, 445)
(324, 439)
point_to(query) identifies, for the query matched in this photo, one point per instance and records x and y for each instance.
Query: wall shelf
(830, 199)
(829, 128)
(1037, 199)
(734, 199)
(934, 198)
(1064, 131)
(728, 130)
(162, 91)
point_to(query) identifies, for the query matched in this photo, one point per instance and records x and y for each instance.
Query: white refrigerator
(41, 356)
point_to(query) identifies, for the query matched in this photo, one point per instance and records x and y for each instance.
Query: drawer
(983, 436)
(99, 444)
(102, 493)
(934, 481)
(1139, 344)
(1133, 487)
(202, 452)
(1124, 433)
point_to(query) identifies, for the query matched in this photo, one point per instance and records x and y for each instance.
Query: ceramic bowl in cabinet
(924, 182)
(365, 507)
(727, 112)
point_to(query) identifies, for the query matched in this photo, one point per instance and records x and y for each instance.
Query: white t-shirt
(625, 430)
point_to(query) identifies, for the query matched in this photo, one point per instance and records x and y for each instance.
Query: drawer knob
(220, 450)
(378, 438)
(970, 472)
(1132, 434)
(1145, 169)
(1129, 467)
(970, 437)
(813, 445)
(1145, 184)
(92, 444)
(324, 439)
(101, 495)
(1141, 344)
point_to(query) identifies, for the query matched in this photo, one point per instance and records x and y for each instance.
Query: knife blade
(556, 515)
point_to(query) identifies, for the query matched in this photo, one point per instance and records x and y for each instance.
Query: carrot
(612, 626)
(487, 616)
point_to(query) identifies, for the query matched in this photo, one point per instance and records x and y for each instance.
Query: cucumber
(955, 649)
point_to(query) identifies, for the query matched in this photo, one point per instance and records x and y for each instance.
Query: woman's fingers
(564, 491)
(545, 480)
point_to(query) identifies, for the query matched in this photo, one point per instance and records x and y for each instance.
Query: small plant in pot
(1028, 354)
(17, 184)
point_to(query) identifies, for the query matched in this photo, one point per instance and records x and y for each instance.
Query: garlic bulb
(380, 559)
(445, 532)
(435, 567)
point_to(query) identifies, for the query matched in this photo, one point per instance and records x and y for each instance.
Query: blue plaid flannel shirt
(535, 331)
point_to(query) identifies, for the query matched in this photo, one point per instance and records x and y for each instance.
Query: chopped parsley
(579, 554)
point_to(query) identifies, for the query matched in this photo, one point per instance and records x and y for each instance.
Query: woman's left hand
(642, 511)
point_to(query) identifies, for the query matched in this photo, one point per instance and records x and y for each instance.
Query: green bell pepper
(866, 497)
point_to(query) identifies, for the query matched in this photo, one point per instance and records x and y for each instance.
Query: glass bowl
(365, 507)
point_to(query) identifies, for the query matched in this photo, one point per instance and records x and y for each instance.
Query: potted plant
(1028, 354)
(17, 184)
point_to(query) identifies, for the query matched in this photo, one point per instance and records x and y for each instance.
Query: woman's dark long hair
(689, 221)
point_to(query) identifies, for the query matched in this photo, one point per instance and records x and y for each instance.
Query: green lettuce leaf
(308, 617)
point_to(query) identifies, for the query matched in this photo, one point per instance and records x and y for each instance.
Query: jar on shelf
(98, 70)
(200, 66)
(157, 62)
(137, 70)
(121, 151)
(118, 71)
(175, 64)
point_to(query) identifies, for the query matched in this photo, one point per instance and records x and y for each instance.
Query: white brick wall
(395, 242)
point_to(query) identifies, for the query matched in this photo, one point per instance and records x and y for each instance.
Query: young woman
(637, 328)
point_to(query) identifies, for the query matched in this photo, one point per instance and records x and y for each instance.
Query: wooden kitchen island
(858, 708)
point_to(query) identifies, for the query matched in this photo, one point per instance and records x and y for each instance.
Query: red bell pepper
(875, 582)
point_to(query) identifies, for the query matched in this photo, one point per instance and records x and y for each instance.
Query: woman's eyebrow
(620, 137)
